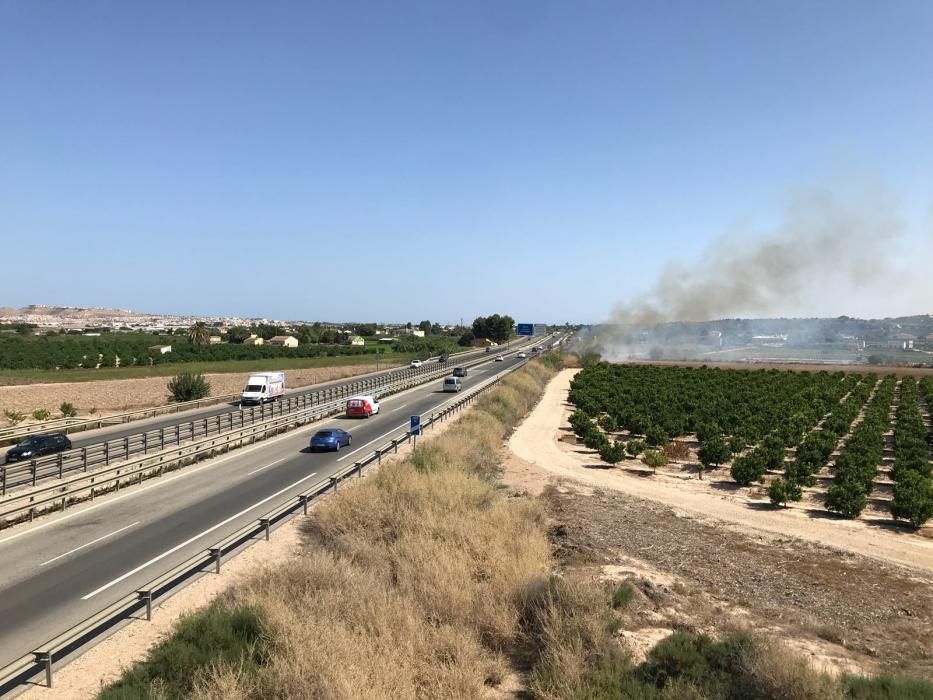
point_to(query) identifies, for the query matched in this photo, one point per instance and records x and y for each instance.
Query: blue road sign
(526, 329)
(416, 425)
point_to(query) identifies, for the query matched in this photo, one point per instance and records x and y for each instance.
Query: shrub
(654, 459)
(199, 641)
(608, 423)
(676, 449)
(781, 491)
(655, 435)
(40, 414)
(846, 497)
(635, 447)
(714, 452)
(612, 453)
(14, 417)
(913, 498)
(188, 387)
(622, 595)
(887, 688)
(596, 440)
(68, 410)
(747, 469)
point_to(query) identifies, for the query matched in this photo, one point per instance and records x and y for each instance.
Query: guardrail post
(266, 523)
(33, 467)
(359, 469)
(161, 438)
(304, 504)
(333, 482)
(395, 446)
(61, 464)
(126, 447)
(45, 658)
(146, 595)
(3, 481)
(145, 443)
(216, 553)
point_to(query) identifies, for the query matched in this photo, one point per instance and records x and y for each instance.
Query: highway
(114, 443)
(59, 570)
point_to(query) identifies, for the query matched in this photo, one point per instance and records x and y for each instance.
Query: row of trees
(857, 465)
(913, 488)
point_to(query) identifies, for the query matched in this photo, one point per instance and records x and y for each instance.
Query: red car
(362, 407)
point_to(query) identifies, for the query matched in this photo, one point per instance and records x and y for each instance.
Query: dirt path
(535, 441)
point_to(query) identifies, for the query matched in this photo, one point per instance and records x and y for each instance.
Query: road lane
(175, 521)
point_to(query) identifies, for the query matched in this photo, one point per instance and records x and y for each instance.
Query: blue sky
(440, 159)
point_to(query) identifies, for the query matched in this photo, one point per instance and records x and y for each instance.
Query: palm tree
(198, 334)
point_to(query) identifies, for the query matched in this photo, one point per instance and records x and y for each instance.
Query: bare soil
(119, 395)
(854, 597)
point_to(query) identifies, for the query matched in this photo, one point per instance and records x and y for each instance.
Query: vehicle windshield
(254, 387)
(324, 434)
(34, 441)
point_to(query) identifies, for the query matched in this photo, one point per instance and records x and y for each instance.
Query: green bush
(783, 490)
(887, 688)
(654, 459)
(40, 414)
(188, 387)
(913, 498)
(68, 410)
(212, 636)
(622, 595)
(846, 497)
(14, 417)
(747, 469)
(612, 453)
(635, 447)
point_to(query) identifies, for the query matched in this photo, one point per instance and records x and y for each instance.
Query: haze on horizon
(554, 162)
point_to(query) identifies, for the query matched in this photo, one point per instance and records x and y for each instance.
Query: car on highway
(362, 406)
(451, 384)
(460, 371)
(522, 355)
(331, 439)
(37, 446)
(415, 364)
(499, 358)
(443, 358)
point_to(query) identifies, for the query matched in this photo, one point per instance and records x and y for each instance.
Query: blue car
(331, 440)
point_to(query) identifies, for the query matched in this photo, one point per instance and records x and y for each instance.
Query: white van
(262, 387)
(452, 384)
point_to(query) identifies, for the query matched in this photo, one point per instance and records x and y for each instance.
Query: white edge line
(78, 549)
(209, 530)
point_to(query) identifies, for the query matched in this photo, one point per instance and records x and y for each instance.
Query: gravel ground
(880, 611)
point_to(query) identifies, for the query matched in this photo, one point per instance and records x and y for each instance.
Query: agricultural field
(842, 441)
(122, 355)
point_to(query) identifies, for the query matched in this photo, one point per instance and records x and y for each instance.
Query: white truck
(262, 387)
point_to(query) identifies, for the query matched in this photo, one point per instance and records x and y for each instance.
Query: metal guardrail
(56, 466)
(87, 485)
(140, 601)
(12, 435)
(68, 425)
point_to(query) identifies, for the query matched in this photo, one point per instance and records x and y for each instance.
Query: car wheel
(337, 446)
(349, 440)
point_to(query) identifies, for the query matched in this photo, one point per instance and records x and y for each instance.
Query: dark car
(443, 358)
(330, 440)
(38, 445)
(460, 371)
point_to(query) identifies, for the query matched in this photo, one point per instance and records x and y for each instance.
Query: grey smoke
(825, 243)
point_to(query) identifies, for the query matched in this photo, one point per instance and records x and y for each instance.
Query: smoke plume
(825, 243)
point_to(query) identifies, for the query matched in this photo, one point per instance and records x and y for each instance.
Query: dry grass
(414, 581)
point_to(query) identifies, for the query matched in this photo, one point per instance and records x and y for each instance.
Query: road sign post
(415, 428)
